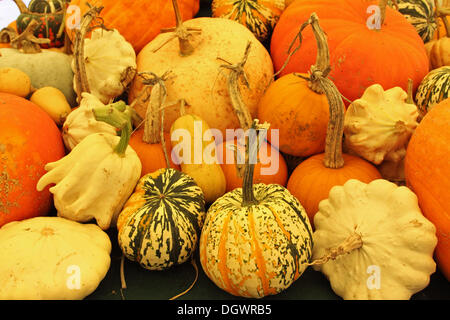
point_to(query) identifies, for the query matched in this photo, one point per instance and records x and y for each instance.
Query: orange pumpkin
(427, 172)
(297, 107)
(138, 21)
(360, 53)
(271, 167)
(29, 139)
(313, 178)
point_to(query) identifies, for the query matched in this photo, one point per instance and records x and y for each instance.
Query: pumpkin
(29, 139)
(138, 21)
(378, 126)
(103, 64)
(421, 14)
(160, 224)
(296, 106)
(427, 169)
(146, 139)
(362, 52)
(52, 258)
(372, 241)
(197, 75)
(98, 175)
(433, 89)
(51, 17)
(437, 48)
(257, 239)
(313, 178)
(260, 16)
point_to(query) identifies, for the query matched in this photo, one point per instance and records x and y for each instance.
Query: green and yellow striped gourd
(160, 223)
(434, 88)
(257, 240)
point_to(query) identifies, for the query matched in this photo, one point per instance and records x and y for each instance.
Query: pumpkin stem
(156, 100)
(382, 4)
(21, 5)
(118, 115)
(353, 242)
(26, 41)
(81, 81)
(257, 134)
(410, 98)
(181, 32)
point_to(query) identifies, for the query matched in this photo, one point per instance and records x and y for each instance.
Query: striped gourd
(160, 223)
(420, 13)
(433, 89)
(257, 240)
(259, 16)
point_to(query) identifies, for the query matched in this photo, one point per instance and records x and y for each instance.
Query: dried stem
(26, 41)
(21, 5)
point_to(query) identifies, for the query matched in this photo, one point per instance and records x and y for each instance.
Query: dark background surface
(143, 284)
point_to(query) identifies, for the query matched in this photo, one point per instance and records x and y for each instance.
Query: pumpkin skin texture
(299, 114)
(138, 21)
(266, 162)
(29, 139)
(433, 89)
(260, 16)
(44, 252)
(160, 223)
(311, 181)
(389, 234)
(359, 57)
(258, 250)
(427, 169)
(199, 79)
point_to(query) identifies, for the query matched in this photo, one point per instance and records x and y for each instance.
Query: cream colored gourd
(198, 77)
(109, 62)
(379, 125)
(53, 102)
(96, 178)
(381, 228)
(81, 122)
(197, 151)
(42, 257)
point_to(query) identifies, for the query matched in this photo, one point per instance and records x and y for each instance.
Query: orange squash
(312, 180)
(271, 167)
(29, 139)
(297, 108)
(427, 172)
(138, 21)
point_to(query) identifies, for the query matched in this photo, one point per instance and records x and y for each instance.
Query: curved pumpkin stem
(21, 5)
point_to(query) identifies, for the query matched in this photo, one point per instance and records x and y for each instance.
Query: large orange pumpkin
(427, 172)
(138, 21)
(359, 56)
(29, 139)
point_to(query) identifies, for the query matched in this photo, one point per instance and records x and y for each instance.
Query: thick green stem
(118, 115)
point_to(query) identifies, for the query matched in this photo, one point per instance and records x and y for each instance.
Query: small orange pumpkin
(29, 139)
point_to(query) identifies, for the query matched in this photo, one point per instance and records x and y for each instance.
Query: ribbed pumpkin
(256, 240)
(427, 172)
(260, 16)
(313, 178)
(420, 13)
(161, 222)
(360, 54)
(29, 139)
(296, 106)
(434, 88)
(138, 21)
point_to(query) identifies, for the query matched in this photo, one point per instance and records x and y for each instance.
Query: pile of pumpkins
(349, 105)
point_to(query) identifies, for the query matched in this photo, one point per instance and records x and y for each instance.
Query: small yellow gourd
(15, 81)
(53, 102)
(197, 154)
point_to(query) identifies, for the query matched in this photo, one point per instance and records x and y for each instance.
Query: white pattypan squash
(81, 122)
(110, 64)
(381, 243)
(96, 178)
(378, 126)
(52, 258)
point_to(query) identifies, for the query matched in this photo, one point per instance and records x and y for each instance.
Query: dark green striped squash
(434, 88)
(49, 14)
(420, 13)
(160, 223)
(257, 240)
